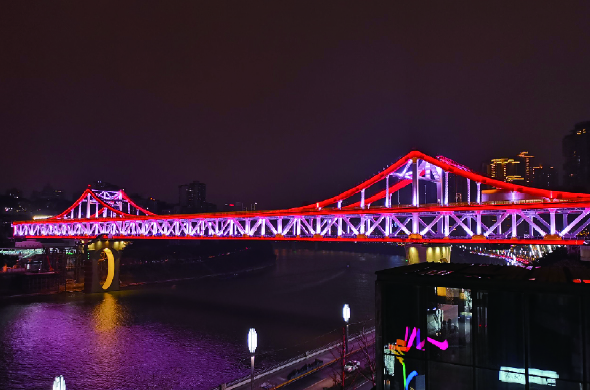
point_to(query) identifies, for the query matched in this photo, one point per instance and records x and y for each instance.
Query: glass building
(461, 326)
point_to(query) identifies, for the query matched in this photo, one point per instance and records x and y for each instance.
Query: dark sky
(280, 102)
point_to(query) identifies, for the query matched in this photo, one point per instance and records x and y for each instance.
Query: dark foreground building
(458, 326)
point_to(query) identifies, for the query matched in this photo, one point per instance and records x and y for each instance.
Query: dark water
(190, 335)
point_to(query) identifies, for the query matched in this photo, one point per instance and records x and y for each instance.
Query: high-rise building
(191, 197)
(526, 167)
(544, 177)
(505, 169)
(576, 150)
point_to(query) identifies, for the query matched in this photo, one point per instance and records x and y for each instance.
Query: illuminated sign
(517, 375)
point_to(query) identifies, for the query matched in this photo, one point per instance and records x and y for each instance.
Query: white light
(59, 383)
(517, 375)
(346, 312)
(252, 340)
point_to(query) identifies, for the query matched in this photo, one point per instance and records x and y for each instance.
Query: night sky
(280, 103)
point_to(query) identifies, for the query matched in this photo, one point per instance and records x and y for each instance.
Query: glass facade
(440, 337)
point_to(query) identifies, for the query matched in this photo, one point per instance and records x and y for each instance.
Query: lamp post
(59, 383)
(252, 344)
(346, 316)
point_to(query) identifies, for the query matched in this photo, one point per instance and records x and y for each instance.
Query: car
(352, 365)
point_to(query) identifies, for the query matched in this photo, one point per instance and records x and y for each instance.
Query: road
(318, 379)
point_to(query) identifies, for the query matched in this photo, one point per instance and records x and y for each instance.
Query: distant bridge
(364, 213)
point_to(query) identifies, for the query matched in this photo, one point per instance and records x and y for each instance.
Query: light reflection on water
(188, 336)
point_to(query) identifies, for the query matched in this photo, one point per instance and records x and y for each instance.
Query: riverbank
(149, 271)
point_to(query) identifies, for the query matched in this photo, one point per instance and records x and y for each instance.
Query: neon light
(110, 269)
(410, 377)
(401, 346)
(441, 344)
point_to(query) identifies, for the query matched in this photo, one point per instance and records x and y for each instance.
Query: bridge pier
(421, 253)
(102, 259)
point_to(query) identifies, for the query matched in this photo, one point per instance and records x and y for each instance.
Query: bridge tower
(101, 264)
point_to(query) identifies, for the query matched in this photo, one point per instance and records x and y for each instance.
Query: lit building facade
(526, 167)
(576, 151)
(504, 169)
(460, 326)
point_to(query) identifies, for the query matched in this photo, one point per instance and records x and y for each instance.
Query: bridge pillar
(101, 265)
(420, 253)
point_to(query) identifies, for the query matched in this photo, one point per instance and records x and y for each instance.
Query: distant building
(544, 177)
(526, 167)
(235, 206)
(576, 150)
(48, 193)
(14, 193)
(191, 197)
(105, 186)
(504, 169)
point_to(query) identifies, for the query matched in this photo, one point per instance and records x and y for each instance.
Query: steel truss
(562, 223)
(533, 218)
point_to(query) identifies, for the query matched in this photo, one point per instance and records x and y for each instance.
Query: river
(187, 335)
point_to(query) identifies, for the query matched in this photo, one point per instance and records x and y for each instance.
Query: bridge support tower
(422, 253)
(102, 258)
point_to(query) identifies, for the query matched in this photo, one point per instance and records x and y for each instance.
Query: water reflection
(109, 314)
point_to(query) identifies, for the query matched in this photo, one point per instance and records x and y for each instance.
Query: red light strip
(380, 195)
(132, 203)
(344, 239)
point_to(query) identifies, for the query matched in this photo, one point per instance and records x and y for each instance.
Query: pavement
(317, 379)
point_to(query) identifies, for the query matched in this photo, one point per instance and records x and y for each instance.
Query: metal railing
(308, 354)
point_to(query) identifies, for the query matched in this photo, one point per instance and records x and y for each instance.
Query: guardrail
(308, 354)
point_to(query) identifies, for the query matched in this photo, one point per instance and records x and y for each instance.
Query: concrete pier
(421, 253)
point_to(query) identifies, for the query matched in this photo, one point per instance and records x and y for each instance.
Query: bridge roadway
(457, 223)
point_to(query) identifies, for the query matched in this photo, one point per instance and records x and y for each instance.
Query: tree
(366, 346)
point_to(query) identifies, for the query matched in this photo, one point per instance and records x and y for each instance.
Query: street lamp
(346, 316)
(59, 383)
(252, 344)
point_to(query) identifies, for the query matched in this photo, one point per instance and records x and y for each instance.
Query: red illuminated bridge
(504, 213)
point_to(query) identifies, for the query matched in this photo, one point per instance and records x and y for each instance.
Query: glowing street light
(346, 316)
(252, 344)
(59, 383)
(346, 312)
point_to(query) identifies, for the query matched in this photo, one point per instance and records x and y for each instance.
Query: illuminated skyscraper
(505, 169)
(526, 167)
